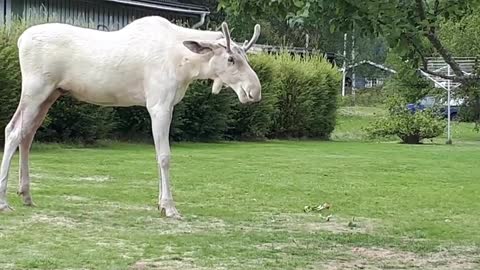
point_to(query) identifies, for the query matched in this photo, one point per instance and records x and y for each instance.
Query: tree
(409, 26)
(462, 37)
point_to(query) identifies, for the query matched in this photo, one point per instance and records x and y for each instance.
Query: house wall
(2, 11)
(5, 10)
(88, 13)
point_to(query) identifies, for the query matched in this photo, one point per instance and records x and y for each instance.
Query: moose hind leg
(12, 139)
(34, 94)
(25, 145)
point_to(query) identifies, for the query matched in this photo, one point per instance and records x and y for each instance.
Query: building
(366, 74)
(101, 14)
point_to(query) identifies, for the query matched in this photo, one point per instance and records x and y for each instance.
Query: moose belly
(105, 96)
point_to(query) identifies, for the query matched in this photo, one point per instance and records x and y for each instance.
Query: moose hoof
(27, 199)
(5, 208)
(167, 209)
(29, 203)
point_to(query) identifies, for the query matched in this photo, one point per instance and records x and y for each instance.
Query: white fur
(148, 63)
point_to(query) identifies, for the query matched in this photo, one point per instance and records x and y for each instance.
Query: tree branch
(418, 50)
(464, 79)
(436, 43)
(446, 55)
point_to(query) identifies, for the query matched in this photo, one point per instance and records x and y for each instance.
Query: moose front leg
(161, 117)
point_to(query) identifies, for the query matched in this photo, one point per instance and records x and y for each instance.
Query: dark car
(430, 102)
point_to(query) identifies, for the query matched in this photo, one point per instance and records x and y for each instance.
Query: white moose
(149, 63)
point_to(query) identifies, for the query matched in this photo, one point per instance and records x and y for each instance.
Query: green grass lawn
(413, 207)
(352, 120)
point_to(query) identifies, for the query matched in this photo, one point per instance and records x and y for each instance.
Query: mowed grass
(352, 120)
(414, 207)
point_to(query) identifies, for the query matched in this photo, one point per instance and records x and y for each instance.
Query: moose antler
(256, 34)
(226, 33)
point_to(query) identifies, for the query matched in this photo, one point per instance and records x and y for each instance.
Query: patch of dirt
(75, 198)
(54, 220)
(126, 249)
(93, 178)
(382, 258)
(129, 207)
(165, 226)
(164, 264)
(37, 175)
(6, 266)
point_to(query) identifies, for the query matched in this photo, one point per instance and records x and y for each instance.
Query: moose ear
(201, 47)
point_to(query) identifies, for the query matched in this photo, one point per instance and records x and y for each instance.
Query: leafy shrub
(201, 115)
(365, 98)
(407, 87)
(254, 121)
(132, 123)
(10, 78)
(306, 96)
(410, 127)
(73, 121)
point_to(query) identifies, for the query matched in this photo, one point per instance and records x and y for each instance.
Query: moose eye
(231, 60)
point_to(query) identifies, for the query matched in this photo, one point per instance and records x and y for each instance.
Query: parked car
(429, 102)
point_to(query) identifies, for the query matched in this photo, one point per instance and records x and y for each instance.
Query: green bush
(254, 121)
(201, 115)
(410, 127)
(73, 121)
(306, 97)
(10, 78)
(407, 87)
(372, 97)
(132, 123)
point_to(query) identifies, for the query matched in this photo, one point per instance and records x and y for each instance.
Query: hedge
(306, 97)
(298, 101)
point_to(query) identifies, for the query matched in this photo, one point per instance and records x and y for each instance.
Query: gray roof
(372, 64)
(167, 5)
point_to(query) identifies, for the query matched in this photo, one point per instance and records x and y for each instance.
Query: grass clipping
(324, 211)
(322, 208)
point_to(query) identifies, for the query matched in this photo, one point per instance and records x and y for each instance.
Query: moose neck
(197, 67)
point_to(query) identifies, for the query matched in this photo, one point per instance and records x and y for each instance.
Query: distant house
(366, 74)
(101, 14)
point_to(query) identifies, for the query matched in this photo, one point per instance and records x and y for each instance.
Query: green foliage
(306, 97)
(462, 37)
(470, 109)
(10, 78)
(254, 121)
(408, 82)
(76, 122)
(201, 116)
(410, 27)
(410, 127)
(367, 98)
(132, 123)
(405, 87)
